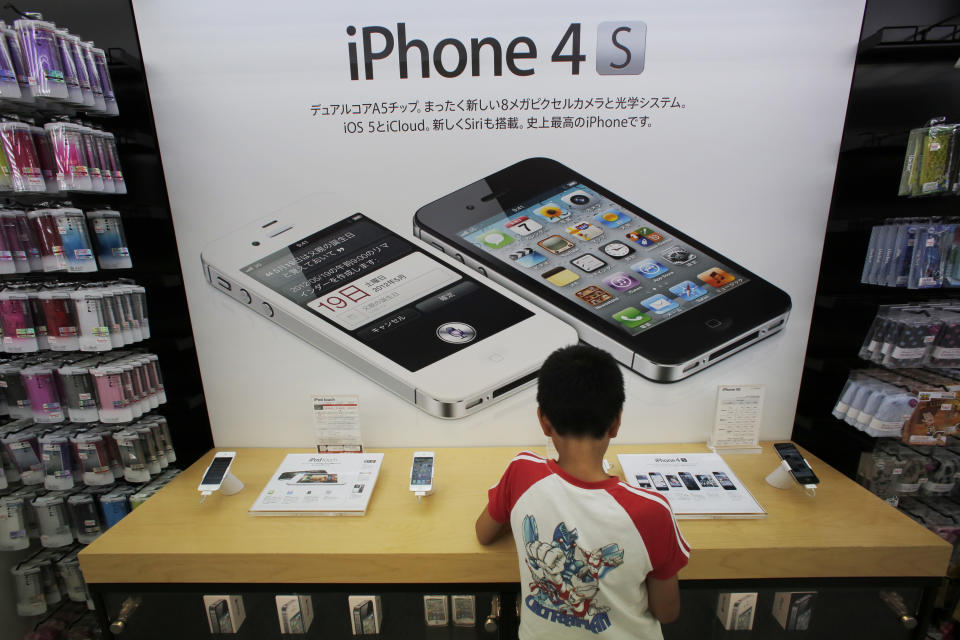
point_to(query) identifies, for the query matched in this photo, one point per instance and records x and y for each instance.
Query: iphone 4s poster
(415, 205)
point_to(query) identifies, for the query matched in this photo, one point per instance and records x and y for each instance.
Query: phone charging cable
(203, 495)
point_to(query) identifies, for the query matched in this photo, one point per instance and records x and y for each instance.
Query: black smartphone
(706, 481)
(674, 482)
(724, 480)
(799, 468)
(643, 481)
(664, 304)
(688, 481)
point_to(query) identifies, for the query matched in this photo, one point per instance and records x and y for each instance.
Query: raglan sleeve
(667, 549)
(499, 497)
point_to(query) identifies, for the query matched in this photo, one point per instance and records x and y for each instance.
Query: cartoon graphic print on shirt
(566, 577)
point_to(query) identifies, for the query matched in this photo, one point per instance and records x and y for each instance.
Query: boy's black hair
(580, 390)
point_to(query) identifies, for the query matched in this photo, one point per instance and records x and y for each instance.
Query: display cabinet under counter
(841, 563)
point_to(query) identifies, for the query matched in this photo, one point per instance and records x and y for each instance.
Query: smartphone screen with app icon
(661, 302)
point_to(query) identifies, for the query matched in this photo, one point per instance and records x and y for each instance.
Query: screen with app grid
(605, 258)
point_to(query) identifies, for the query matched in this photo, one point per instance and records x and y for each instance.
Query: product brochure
(320, 484)
(698, 485)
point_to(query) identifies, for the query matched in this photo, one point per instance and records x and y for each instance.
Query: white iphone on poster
(443, 339)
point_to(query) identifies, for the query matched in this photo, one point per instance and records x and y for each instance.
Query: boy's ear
(615, 425)
(545, 425)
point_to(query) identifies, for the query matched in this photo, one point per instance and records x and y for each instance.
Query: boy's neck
(582, 458)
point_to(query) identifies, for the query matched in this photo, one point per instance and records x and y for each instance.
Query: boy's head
(580, 391)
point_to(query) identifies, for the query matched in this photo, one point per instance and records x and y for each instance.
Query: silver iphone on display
(416, 323)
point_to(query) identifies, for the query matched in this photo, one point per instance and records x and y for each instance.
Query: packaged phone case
(109, 98)
(42, 57)
(936, 160)
(39, 320)
(24, 79)
(70, 157)
(79, 394)
(20, 223)
(914, 335)
(94, 332)
(56, 454)
(109, 239)
(9, 86)
(92, 158)
(908, 176)
(46, 230)
(21, 155)
(883, 244)
(83, 76)
(78, 251)
(44, 395)
(896, 407)
(871, 253)
(935, 417)
(46, 158)
(113, 156)
(70, 76)
(16, 322)
(23, 448)
(92, 451)
(930, 251)
(946, 347)
(60, 319)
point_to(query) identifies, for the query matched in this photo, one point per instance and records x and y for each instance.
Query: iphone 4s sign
(621, 50)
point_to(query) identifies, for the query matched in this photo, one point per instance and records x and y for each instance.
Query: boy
(596, 555)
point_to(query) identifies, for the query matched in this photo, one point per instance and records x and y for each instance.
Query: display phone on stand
(217, 471)
(664, 304)
(405, 318)
(798, 467)
(421, 472)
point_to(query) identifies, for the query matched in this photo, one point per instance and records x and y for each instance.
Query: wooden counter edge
(712, 564)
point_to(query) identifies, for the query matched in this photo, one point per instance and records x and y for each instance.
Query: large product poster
(656, 175)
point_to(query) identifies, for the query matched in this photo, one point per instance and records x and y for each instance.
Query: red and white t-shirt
(585, 550)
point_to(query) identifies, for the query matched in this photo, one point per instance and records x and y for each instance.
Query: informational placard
(698, 485)
(318, 484)
(738, 418)
(337, 423)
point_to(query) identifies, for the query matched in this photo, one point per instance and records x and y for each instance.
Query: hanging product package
(24, 79)
(70, 156)
(25, 172)
(9, 85)
(71, 77)
(109, 239)
(936, 161)
(916, 331)
(77, 249)
(929, 256)
(42, 57)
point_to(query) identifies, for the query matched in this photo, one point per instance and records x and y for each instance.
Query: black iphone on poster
(661, 302)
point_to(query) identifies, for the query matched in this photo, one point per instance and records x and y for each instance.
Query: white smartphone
(217, 471)
(404, 317)
(421, 471)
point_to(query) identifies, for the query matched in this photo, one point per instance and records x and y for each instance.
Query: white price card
(337, 423)
(739, 411)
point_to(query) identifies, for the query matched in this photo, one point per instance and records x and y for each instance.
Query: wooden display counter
(843, 532)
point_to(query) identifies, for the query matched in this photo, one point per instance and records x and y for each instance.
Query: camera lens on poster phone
(579, 199)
